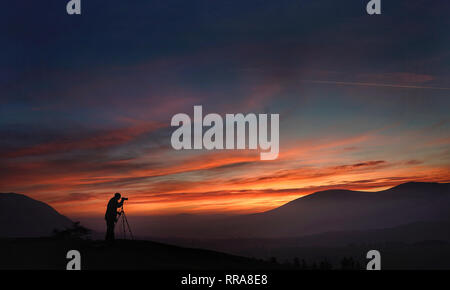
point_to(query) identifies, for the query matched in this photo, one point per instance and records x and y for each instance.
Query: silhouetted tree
(76, 232)
(296, 262)
(304, 265)
(344, 263)
(349, 264)
(325, 265)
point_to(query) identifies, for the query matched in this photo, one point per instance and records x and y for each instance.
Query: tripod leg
(121, 222)
(128, 225)
(123, 227)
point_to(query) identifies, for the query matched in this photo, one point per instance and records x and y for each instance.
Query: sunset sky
(86, 101)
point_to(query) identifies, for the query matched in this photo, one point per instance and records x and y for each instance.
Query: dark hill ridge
(413, 233)
(325, 211)
(22, 216)
(337, 210)
(420, 245)
(406, 190)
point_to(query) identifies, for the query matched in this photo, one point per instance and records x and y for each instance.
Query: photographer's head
(117, 195)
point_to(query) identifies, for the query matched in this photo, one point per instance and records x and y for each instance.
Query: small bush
(75, 232)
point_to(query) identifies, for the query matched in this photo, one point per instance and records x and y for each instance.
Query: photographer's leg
(109, 230)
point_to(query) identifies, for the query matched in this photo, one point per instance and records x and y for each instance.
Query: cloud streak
(368, 84)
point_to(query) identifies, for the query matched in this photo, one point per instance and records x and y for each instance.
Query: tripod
(125, 225)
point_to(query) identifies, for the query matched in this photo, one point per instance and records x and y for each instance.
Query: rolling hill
(343, 210)
(325, 211)
(22, 216)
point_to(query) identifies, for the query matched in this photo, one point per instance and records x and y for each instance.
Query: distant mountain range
(22, 216)
(413, 233)
(324, 211)
(339, 210)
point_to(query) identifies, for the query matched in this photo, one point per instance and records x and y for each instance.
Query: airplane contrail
(373, 85)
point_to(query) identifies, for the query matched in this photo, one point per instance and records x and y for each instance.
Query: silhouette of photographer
(111, 215)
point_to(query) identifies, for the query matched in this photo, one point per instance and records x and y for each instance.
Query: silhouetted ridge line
(22, 216)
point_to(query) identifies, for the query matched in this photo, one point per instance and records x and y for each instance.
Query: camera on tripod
(125, 198)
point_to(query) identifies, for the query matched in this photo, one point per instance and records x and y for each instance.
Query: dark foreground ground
(47, 253)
